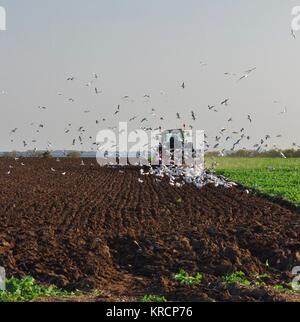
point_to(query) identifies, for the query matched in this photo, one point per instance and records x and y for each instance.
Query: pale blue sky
(140, 47)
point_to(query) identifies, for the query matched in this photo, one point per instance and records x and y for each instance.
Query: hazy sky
(143, 47)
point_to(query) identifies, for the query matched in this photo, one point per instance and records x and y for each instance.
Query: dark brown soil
(101, 228)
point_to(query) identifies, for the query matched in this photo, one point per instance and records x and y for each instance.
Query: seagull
(118, 110)
(144, 120)
(42, 107)
(97, 91)
(293, 33)
(284, 111)
(249, 118)
(193, 116)
(225, 102)
(183, 85)
(210, 107)
(71, 78)
(178, 116)
(247, 73)
(132, 119)
(283, 155)
(53, 170)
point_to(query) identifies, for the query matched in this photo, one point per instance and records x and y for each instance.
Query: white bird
(293, 33)
(284, 111)
(283, 155)
(247, 73)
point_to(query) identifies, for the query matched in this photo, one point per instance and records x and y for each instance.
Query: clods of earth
(127, 234)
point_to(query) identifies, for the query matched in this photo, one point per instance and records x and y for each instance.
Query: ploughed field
(86, 227)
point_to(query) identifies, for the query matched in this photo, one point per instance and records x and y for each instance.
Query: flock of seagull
(224, 135)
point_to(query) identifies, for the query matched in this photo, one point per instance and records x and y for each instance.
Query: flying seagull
(247, 73)
(225, 102)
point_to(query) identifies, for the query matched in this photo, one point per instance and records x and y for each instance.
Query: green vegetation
(281, 288)
(289, 153)
(273, 176)
(236, 278)
(261, 280)
(26, 289)
(183, 278)
(153, 298)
